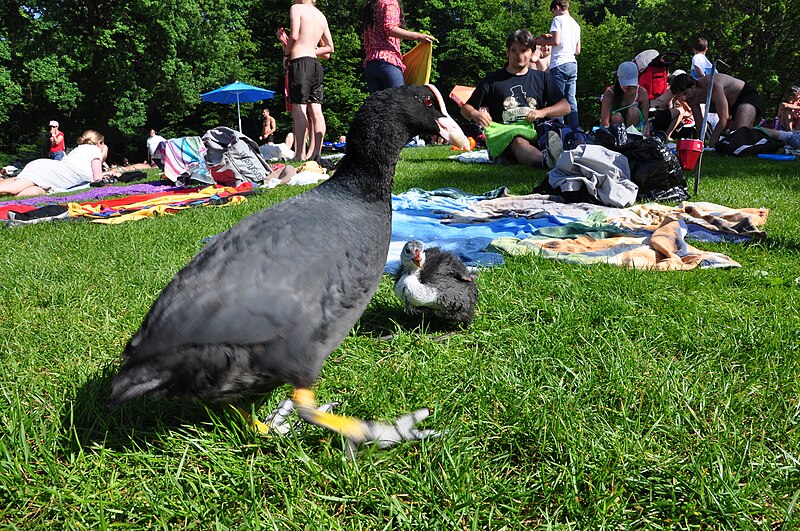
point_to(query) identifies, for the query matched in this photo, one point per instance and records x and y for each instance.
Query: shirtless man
(310, 37)
(540, 60)
(732, 98)
(268, 127)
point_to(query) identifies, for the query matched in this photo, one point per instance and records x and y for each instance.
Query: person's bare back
(310, 34)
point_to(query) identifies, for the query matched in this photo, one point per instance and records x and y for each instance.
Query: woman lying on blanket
(83, 164)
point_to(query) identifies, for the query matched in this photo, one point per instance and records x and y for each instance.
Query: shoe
(554, 148)
(327, 164)
(504, 160)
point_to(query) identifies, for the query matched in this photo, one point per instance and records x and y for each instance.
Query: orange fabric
(460, 94)
(418, 64)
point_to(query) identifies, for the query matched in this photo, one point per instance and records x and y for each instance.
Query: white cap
(53, 123)
(628, 74)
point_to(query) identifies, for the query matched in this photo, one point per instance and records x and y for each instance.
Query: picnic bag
(747, 141)
(234, 158)
(569, 137)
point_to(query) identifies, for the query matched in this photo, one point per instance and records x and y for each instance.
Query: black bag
(747, 141)
(655, 169)
(611, 137)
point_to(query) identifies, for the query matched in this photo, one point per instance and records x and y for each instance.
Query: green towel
(499, 136)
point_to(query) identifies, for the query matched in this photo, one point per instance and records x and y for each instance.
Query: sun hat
(53, 123)
(628, 74)
(675, 73)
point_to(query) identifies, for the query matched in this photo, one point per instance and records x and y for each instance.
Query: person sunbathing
(82, 165)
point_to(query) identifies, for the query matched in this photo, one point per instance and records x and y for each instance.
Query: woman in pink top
(382, 34)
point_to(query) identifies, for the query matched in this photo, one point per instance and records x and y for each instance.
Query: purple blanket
(94, 194)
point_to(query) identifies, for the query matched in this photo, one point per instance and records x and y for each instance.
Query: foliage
(123, 67)
(12, 92)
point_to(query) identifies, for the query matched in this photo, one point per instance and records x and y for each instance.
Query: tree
(123, 67)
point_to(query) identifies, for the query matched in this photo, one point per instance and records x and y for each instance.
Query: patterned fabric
(377, 42)
(649, 235)
(117, 211)
(665, 250)
(184, 161)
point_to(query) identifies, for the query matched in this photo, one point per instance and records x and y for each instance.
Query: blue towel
(419, 215)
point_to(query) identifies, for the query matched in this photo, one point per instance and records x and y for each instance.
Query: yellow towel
(418, 64)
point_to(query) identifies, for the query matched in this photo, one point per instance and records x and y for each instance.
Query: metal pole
(239, 112)
(702, 135)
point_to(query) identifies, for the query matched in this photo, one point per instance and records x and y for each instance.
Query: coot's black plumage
(267, 301)
(437, 282)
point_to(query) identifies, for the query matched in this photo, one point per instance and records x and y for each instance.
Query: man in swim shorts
(310, 38)
(732, 99)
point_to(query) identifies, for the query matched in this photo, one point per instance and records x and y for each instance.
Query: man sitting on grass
(516, 86)
(733, 99)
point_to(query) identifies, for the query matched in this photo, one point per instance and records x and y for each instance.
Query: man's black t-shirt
(533, 89)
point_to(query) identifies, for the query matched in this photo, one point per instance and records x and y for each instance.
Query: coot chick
(435, 282)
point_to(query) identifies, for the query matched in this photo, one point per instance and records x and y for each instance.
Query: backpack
(654, 71)
(747, 141)
(571, 137)
(234, 158)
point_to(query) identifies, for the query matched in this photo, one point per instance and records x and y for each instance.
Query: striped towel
(184, 161)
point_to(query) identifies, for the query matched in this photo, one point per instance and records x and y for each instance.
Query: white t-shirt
(58, 175)
(152, 145)
(570, 34)
(81, 158)
(700, 60)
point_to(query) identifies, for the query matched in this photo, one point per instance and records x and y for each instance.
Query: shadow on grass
(384, 321)
(88, 422)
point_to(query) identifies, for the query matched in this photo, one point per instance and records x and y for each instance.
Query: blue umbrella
(238, 92)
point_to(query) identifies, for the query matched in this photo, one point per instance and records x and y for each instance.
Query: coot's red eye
(428, 101)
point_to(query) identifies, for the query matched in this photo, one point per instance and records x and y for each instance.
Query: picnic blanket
(666, 249)
(128, 208)
(419, 214)
(31, 203)
(643, 236)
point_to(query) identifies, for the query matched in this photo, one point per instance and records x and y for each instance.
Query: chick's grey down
(266, 302)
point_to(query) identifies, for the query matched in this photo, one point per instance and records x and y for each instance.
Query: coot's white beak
(448, 128)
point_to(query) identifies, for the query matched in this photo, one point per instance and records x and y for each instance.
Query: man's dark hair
(682, 83)
(563, 4)
(523, 37)
(700, 44)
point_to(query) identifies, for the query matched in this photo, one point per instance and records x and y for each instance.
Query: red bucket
(689, 153)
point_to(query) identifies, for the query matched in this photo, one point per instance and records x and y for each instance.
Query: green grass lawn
(580, 398)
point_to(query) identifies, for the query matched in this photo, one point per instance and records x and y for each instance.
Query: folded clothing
(499, 136)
